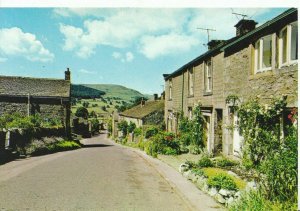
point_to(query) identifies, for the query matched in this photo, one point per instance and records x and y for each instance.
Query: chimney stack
(143, 102)
(244, 26)
(68, 75)
(214, 43)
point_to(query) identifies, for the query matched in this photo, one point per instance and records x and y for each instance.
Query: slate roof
(39, 87)
(140, 112)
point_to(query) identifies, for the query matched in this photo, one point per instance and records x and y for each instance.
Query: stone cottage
(147, 113)
(51, 98)
(258, 62)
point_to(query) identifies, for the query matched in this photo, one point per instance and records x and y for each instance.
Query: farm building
(259, 62)
(147, 113)
(48, 97)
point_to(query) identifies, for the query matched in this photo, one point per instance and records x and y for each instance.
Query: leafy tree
(82, 112)
(131, 127)
(123, 126)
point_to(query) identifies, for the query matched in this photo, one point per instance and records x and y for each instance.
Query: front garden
(265, 178)
(32, 135)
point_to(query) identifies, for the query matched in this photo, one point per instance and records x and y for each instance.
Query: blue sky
(126, 46)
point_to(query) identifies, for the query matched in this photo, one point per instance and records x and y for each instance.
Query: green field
(114, 95)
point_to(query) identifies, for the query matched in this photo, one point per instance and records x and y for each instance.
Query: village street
(101, 176)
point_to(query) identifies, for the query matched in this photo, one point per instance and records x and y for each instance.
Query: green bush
(162, 143)
(222, 181)
(131, 127)
(198, 172)
(151, 131)
(82, 112)
(95, 125)
(251, 201)
(224, 162)
(205, 162)
(123, 126)
(138, 131)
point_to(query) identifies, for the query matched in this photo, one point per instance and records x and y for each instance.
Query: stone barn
(51, 98)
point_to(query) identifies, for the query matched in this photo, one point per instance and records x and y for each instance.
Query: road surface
(100, 176)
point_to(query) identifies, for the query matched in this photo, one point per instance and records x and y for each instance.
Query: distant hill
(107, 90)
(83, 91)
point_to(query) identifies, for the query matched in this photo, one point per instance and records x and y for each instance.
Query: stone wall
(8, 107)
(156, 118)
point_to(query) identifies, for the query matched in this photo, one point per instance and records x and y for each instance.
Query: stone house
(51, 98)
(258, 62)
(147, 113)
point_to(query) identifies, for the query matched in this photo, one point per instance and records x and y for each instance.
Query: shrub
(82, 112)
(131, 127)
(95, 125)
(222, 181)
(123, 126)
(151, 131)
(162, 143)
(224, 162)
(137, 131)
(199, 172)
(55, 147)
(204, 162)
(253, 201)
(190, 164)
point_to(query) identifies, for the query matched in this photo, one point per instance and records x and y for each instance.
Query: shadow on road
(96, 145)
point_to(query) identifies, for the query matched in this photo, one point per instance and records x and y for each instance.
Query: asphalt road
(101, 176)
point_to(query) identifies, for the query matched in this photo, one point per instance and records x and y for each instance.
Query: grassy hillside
(103, 98)
(117, 91)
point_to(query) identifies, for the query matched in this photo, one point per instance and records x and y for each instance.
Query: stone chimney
(68, 75)
(155, 96)
(143, 102)
(214, 43)
(244, 26)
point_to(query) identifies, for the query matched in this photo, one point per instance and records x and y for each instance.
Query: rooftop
(41, 87)
(140, 112)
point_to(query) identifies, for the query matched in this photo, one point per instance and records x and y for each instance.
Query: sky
(127, 46)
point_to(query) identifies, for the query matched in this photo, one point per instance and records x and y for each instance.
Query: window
(263, 54)
(208, 76)
(288, 44)
(191, 81)
(190, 113)
(170, 89)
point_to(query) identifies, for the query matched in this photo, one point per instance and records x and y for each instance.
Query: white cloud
(86, 71)
(14, 42)
(120, 29)
(156, 32)
(155, 46)
(2, 60)
(128, 57)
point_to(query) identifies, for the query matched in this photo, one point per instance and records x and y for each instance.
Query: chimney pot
(244, 26)
(68, 75)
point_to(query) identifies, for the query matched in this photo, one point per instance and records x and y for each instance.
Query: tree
(131, 127)
(82, 112)
(123, 126)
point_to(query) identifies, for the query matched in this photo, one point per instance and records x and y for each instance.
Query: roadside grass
(55, 147)
(175, 160)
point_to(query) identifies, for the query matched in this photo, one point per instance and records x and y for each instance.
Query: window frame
(191, 81)
(258, 52)
(288, 55)
(170, 89)
(208, 87)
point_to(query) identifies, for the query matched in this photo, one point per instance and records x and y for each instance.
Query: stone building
(50, 98)
(147, 113)
(258, 62)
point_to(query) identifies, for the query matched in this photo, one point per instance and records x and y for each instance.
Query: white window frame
(208, 86)
(260, 42)
(191, 77)
(289, 61)
(170, 89)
